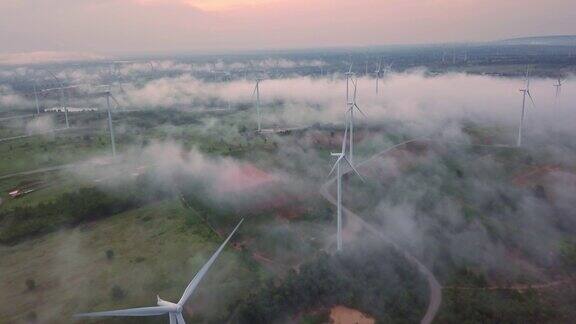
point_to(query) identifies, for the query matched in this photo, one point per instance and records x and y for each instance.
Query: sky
(100, 27)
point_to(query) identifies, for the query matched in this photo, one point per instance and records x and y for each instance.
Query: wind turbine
(352, 105)
(227, 77)
(338, 168)
(110, 125)
(558, 91)
(36, 99)
(61, 97)
(257, 94)
(348, 75)
(378, 74)
(174, 311)
(525, 92)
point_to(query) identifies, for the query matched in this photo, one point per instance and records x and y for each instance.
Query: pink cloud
(46, 57)
(176, 25)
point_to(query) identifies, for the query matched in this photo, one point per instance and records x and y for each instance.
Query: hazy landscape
(333, 184)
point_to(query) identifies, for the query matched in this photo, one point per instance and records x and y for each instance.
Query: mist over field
(451, 217)
(287, 161)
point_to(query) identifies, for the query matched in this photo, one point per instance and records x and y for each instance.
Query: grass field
(156, 250)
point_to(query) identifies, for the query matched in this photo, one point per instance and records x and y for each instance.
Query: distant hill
(564, 40)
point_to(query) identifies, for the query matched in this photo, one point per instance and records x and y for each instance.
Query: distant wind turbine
(349, 75)
(62, 103)
(257, 94)
(352, 106)
(174, 311)
(525, 92)
(558, 87)
(110, 124)
(36, 99)
(338, 168)
(380, 73)
(226, 77)
(378, 76)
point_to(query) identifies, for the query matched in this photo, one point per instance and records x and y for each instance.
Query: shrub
(30, 284)
(109, 254)
(118, 293)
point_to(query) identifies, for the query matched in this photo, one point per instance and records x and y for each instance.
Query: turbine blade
(360, 110)
(531, 99)
(180, 319)
(350, 69)
(115, 101)
(254, 93)
(345, 137)
(173, 318)
(144, 311)
(353, 168)
(198, 277)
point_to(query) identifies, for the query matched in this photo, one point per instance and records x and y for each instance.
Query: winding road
(435, 289)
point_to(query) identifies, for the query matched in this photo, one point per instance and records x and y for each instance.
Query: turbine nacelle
(176, 308)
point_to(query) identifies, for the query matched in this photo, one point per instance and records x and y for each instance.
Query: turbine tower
(338, 168)
(349, 76)
(228, 78)
(174, 311)
(110, 125)
(525, 92)
(352, 106)
(257, 94)
(378, 75)
(558, 87)
(36, 100)
(62, 103)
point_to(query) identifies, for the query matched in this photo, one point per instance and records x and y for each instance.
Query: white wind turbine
(174, 311)
(525, 92)
(352, 106)
(61, 97)
(228, 78)
(558, 87)
(378, 76)
(257, 94)
(36, 99)
(110, 125)
(338, 167)
(349, 76)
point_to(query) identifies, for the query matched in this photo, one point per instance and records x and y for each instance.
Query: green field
(157, 249)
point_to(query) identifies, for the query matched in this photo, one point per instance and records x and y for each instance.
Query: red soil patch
(545, 180)
(242, 178)
(345, 315)
(534, 175)
(260, 191)
(262, 259)
(333, 138)
(397, 161)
